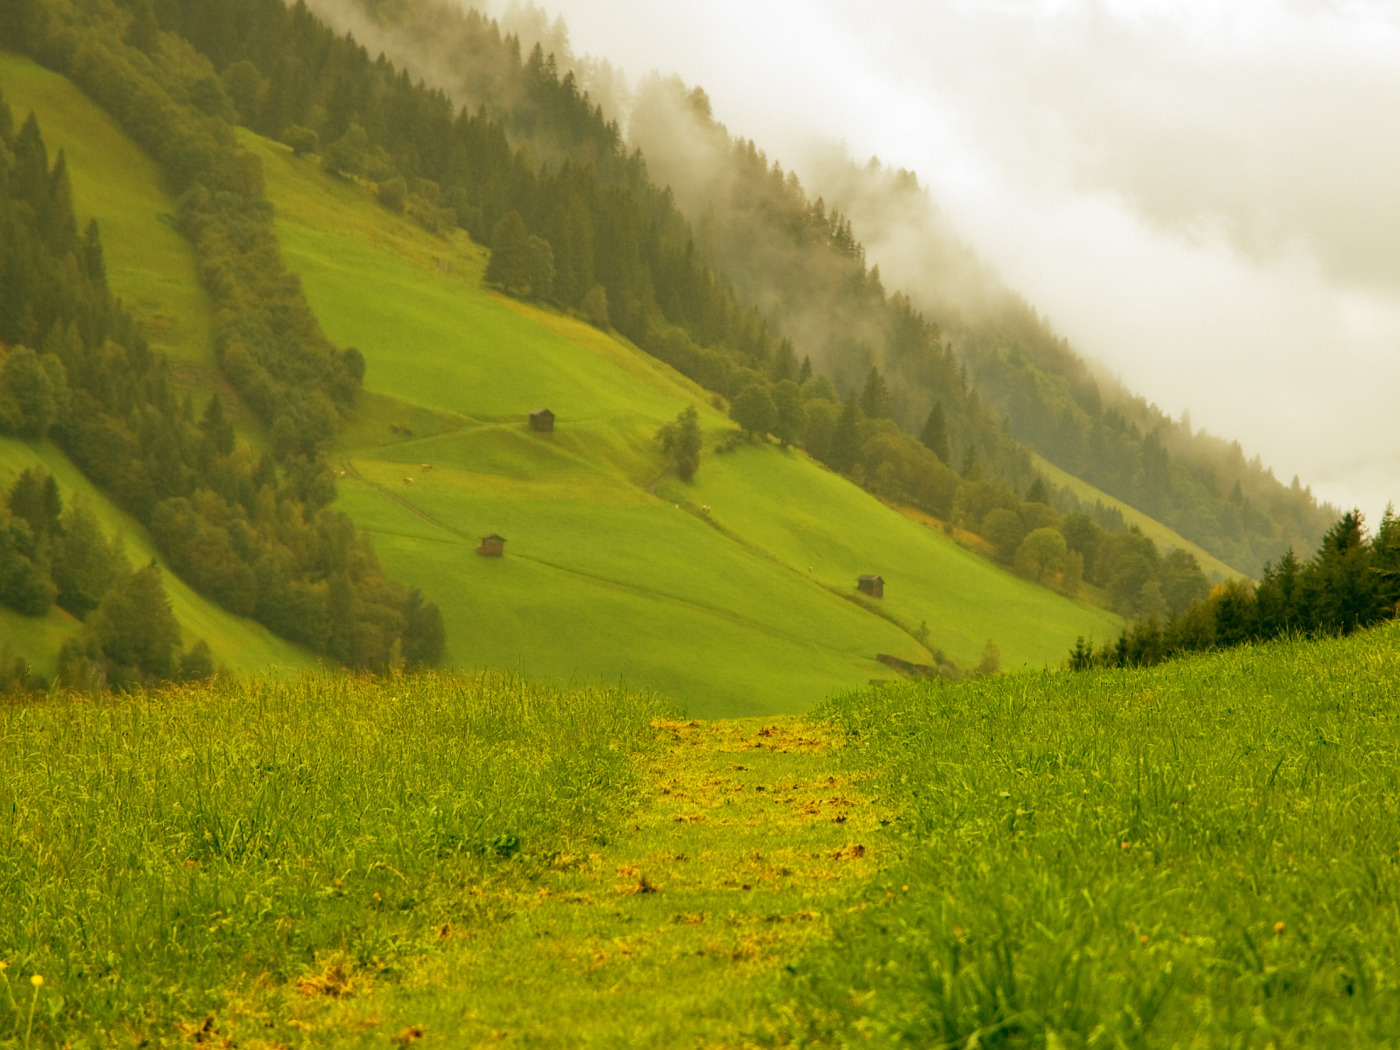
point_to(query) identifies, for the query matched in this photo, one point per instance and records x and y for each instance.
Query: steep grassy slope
(151, 267)
(746, 608)
(1164, 536)
(150, 264)
(239, 644)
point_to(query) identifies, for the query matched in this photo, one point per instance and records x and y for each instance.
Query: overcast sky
(1204, 197)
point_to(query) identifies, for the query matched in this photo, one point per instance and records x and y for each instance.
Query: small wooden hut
(542, 421)
(492, 546)
(871, 585)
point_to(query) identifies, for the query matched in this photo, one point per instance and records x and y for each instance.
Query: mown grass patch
(161, 854)
(741, 852)
(1204, 854)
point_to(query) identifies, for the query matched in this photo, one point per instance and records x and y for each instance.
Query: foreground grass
(745, 847)
(1199, 855)
(1204, 854)
(157, 854)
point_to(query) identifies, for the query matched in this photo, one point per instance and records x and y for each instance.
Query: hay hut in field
(871, 585)
(492, 546)
(542, 421)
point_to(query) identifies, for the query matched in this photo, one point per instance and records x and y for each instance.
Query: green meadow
(1203, 854)
(613, 571)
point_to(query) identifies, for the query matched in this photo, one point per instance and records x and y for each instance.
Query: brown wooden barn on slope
(492, 546)
(871, 585)
(542, 421)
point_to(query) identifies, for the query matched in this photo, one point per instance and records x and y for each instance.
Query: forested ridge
(251, 531)
(769, 234)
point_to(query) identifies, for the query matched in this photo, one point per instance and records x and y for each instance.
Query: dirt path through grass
(747, 845)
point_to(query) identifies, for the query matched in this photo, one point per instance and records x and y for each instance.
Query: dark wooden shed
(542, 421)
(492, 546)
(871, 585)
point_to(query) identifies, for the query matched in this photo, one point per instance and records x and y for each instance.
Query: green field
(749, 608)
(1165, 537)
(239, 644)
(1199, 855)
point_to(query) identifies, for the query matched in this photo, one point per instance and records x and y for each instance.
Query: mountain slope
(152, 267)
(746, 608)
(235, 642)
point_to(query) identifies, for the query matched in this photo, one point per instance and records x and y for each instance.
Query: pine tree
(935, 433)
(539, 267)
(971, 465)
(57, 223)
(94, 262)
(133, 629)
(423, 633)
(784, 364)
(874, 399)
(845, 445)
(509, 267)
(85, 564)
(35, 498)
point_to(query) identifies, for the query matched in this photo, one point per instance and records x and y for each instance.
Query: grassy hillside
(748, 608)
(612, 572)
(239, 644)
(151, 266)
(1165, 537)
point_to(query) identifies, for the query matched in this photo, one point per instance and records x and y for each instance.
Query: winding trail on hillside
(747, 843)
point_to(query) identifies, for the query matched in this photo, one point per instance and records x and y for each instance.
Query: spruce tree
(874, 399)
(935, 433)
(35, 498)
(94, 262)
(509, 267)
(85, 563)
(845, 445)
